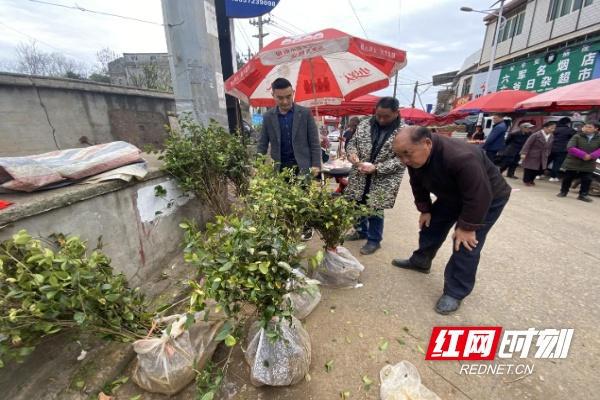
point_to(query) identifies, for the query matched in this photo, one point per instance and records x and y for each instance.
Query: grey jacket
(305, 138)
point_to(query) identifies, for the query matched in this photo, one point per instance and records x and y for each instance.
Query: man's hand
(587, 157)
(367, 168)
(353, 158)
(466, 238)
(315, 171)
(424, 220)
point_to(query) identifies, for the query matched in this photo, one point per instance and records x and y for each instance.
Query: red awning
(503, 101)
(576, 97)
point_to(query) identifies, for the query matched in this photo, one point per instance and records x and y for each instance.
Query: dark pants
(491, 154)
(586, 181)
(557, 159)
(371, 227)
(509, 162)
(459, 276)
(530, 174)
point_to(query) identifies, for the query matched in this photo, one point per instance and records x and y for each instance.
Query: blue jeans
(459, 276)
(371, 227)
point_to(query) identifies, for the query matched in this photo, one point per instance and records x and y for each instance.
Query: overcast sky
(435, 34)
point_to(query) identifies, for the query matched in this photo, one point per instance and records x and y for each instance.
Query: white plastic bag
(282, 362)
(304, 300)
(403, 382)
(166, 365)
(339, 269)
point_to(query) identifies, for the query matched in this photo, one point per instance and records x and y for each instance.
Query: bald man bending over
(470, 195)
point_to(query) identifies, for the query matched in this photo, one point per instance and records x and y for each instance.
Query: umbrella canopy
(362, 105)
(325, 67)
(503, 101)
(415, 114)
(575, 97)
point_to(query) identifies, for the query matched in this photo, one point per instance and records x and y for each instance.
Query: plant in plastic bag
(241, 261)
(206, 160)
(279, 362)
(48, 288)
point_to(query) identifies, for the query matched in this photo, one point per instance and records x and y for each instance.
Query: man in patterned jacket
(376, 173)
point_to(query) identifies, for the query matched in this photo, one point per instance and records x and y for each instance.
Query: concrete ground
(538, 270)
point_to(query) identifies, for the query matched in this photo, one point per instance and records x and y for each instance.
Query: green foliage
(208, 382)
(242, 261)
(332, 216)
(206, 160)
(279, 198)
(44, 290)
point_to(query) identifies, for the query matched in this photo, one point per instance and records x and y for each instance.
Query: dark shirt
(347, 136)
(462, 178)
(514, 143)
(379, 134)
(286, 122)
(562, 135)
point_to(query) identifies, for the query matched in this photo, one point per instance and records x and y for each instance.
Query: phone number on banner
(257, 2)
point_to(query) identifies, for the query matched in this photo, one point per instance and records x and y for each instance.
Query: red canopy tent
(576, 97)
(363, 105)
(502, 101)
(415, 115)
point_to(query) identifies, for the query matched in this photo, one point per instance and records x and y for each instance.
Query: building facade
(146, 70)
(542, 45)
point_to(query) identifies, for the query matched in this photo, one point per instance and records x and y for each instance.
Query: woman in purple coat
(535, 153)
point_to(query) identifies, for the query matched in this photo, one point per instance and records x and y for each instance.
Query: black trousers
(459, 276)
(586, 181)
(530, 174)
(509, 162)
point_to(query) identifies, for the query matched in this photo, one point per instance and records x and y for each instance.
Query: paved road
(539, 269)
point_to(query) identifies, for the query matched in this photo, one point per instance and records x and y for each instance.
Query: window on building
(466, 87)
(512, 27)
(560, 8)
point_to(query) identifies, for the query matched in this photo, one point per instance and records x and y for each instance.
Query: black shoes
(406, 264)
(354, 236)
(561, 194)
(584, 198)
(447, 305)
(369, 248)
(512, 177)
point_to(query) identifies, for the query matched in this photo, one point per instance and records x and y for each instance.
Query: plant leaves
(329, 366)
(367, 382)
(384, 345)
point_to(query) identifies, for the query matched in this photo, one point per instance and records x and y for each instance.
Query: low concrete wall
(39, 114)
(140, 232)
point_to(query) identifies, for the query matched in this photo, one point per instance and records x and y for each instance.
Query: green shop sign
(553, 70)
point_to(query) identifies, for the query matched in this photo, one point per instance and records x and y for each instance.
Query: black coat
(514, 143)
(562, 135)
(462, 177)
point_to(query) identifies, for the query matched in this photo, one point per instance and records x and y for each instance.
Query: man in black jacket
(562, 135)
(470, 193)
(511, 153)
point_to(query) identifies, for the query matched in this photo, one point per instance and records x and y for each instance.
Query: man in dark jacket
(584, 150)
(495, 141)
(514, 144)
(470, 193)
(562, 135)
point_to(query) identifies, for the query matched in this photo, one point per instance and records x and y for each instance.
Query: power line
(283, 28)
(36, 39)
(246, 37)
(107, 14)
(289, 24)
(358, 19)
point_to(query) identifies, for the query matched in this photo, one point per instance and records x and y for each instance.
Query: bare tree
(104, 57)
(152, 77)
(33, 61)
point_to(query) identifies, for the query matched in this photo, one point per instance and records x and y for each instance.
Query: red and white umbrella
(325, 67)
(574, 97)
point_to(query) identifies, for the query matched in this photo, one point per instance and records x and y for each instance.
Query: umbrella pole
(314, 87)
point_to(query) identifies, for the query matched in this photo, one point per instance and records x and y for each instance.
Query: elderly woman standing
(535, 153)
(376, 173)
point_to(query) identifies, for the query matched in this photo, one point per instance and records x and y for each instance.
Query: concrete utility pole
(193, 44)
(415, 94)
(260, 23)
